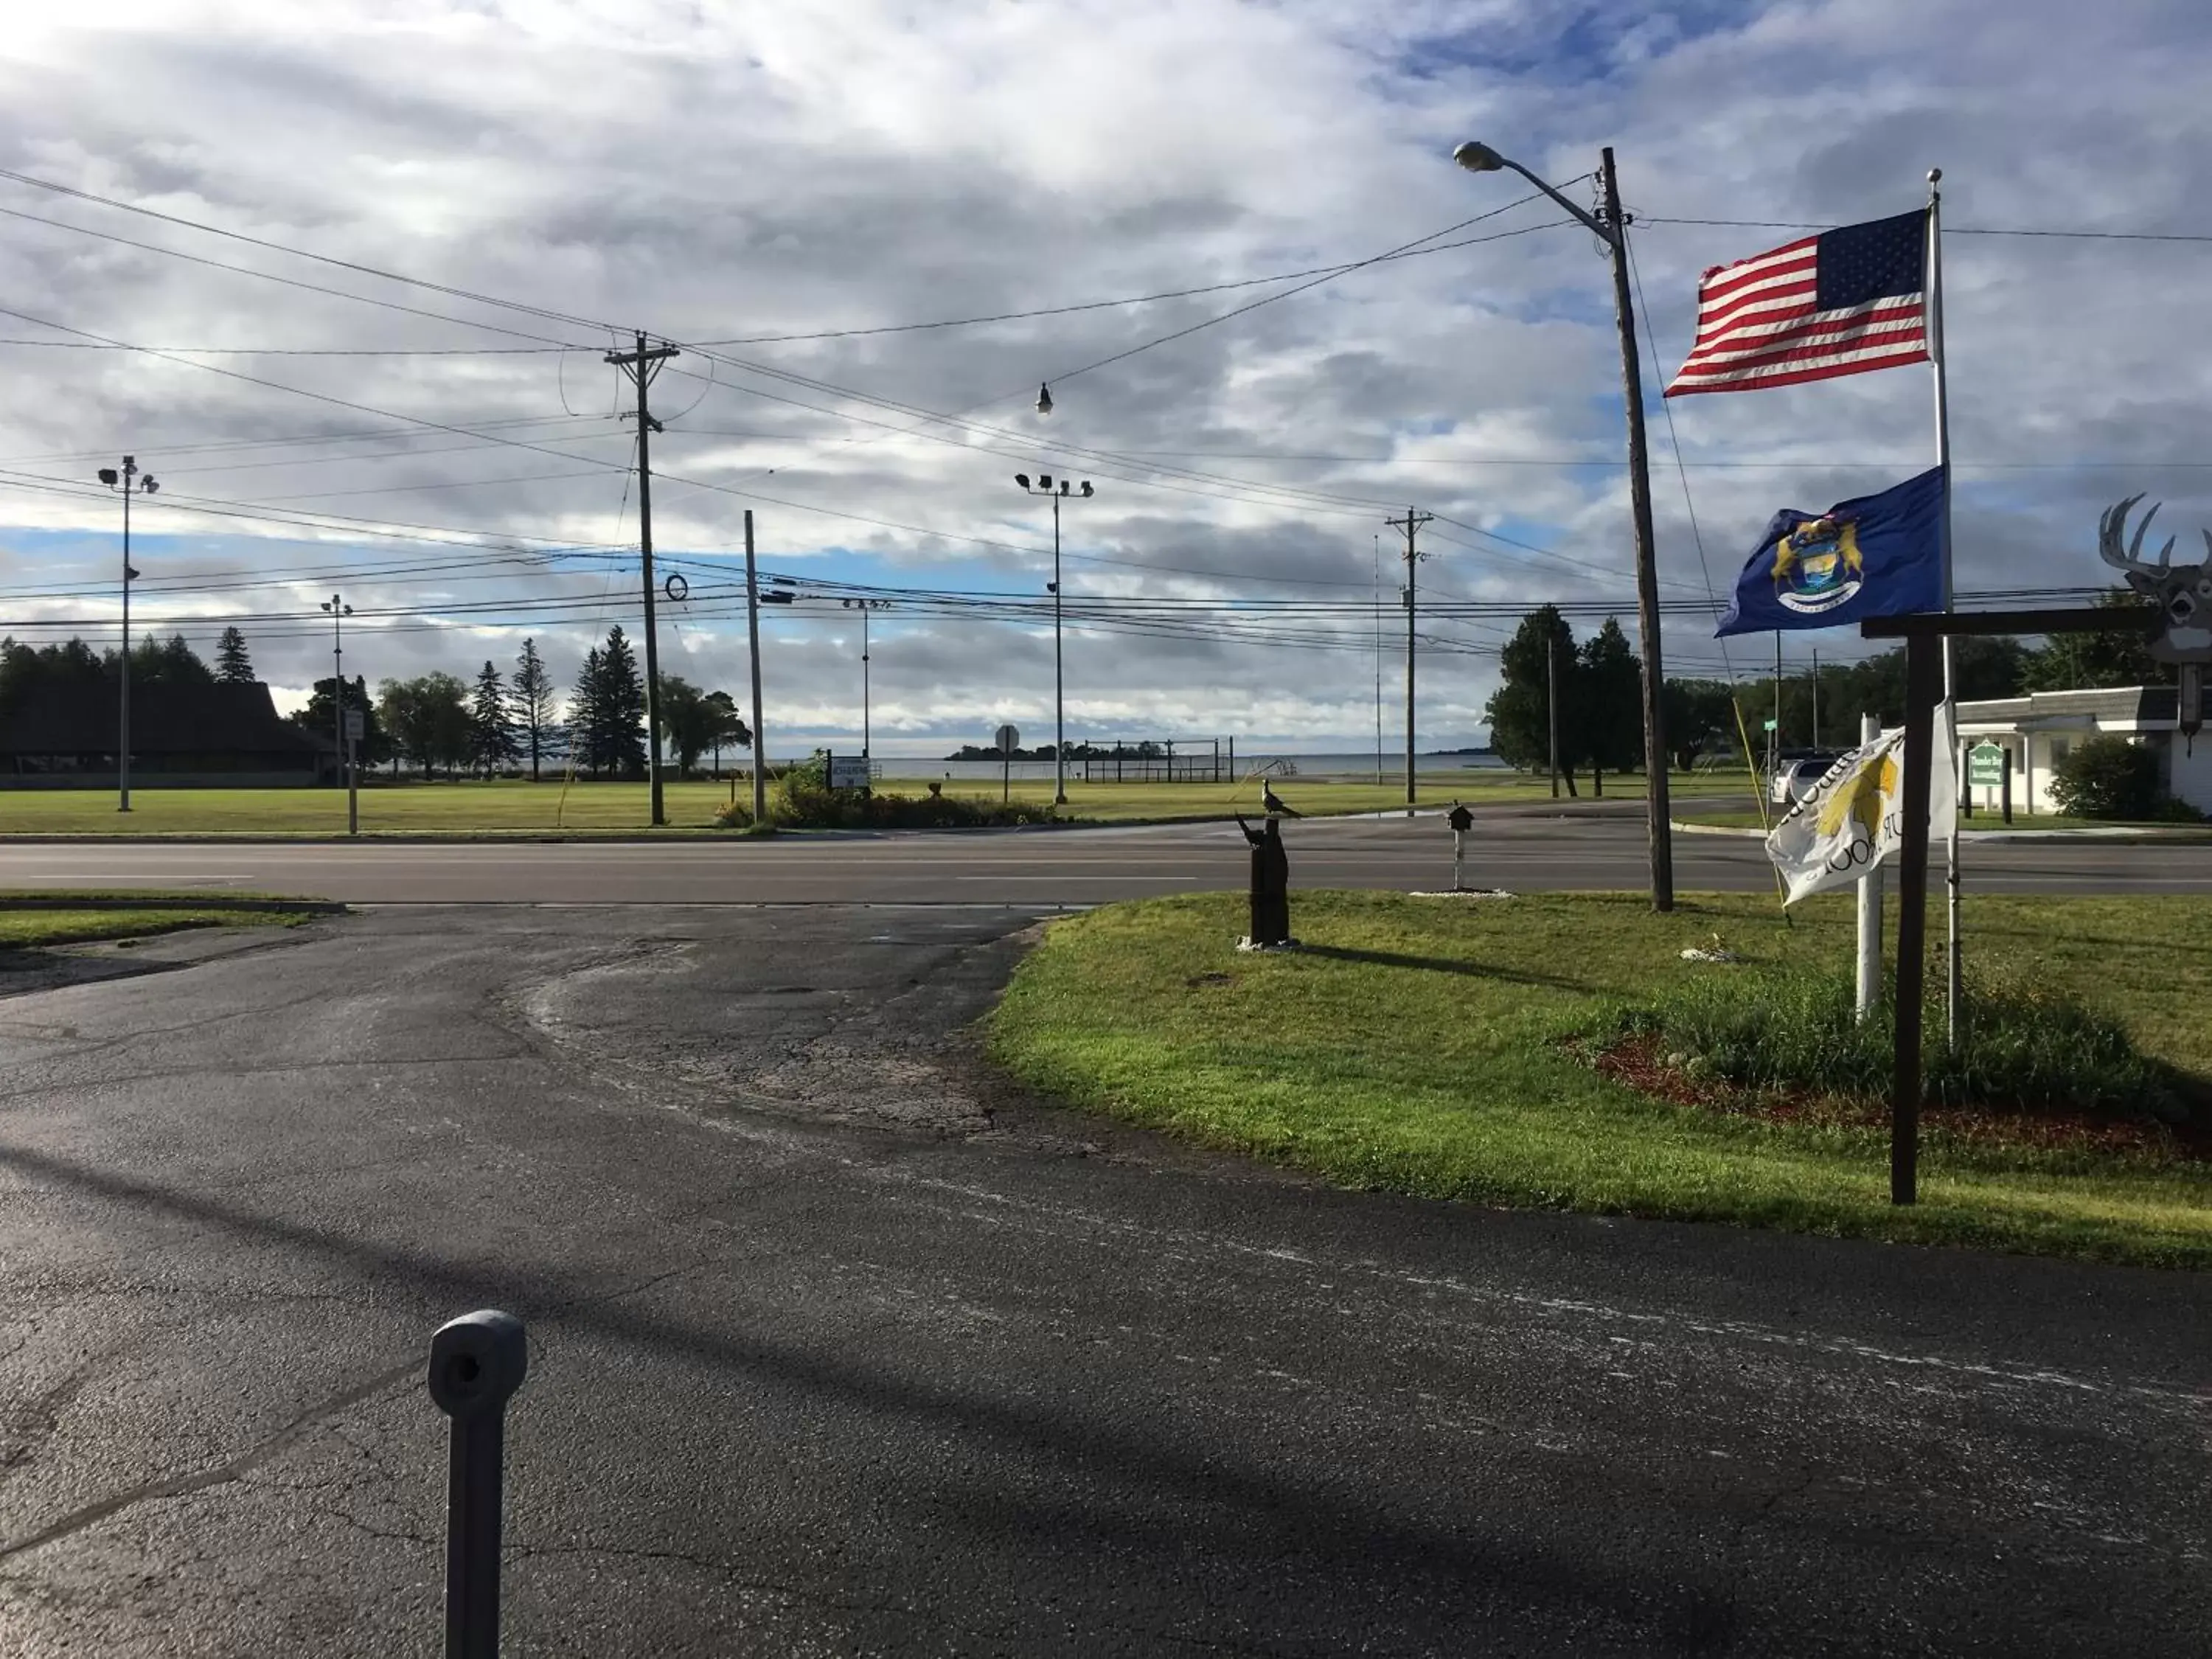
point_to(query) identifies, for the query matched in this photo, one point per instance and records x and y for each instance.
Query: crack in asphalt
(91, 1514)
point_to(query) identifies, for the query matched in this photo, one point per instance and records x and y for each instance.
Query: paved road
(1519, 850)
(838, 1350)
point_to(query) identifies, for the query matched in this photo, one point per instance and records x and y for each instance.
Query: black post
(477, 1363)
(2004, 789)
(1924, 688)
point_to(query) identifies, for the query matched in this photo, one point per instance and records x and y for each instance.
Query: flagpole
(1953, 978)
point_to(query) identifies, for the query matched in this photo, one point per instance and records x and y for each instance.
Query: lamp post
(339, 610)
(1610, 228)
(127, 479)
(864, 607)
(1044, 487)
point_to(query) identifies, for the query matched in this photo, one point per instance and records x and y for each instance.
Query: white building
(2039, 729)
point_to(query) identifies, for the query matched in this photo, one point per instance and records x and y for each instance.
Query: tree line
(1600, 705)
(493, 723)
(497, 722)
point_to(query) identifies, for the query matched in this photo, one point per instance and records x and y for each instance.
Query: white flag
(1854, 816)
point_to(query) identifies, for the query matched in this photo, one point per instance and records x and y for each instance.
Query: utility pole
(1816, 697)
(1552, 701)
(1647, 559)
(643, 366)
(1411, 524)
(127, 479)
(752, 633)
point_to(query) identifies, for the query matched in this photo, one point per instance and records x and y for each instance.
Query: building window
(2059, 747)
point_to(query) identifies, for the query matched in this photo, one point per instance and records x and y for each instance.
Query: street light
(864, 607)
(129, 481)
(1044, 487)
(339, 610)
(1611, 226)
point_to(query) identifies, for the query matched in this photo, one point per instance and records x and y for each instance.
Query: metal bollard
(477, 1363)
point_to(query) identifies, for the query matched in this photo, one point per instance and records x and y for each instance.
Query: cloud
(722, 175)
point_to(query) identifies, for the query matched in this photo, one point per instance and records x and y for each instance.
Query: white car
(1793, 779)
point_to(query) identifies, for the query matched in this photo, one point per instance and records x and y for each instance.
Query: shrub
(2108, 777)
(803, 800)
(2029, 1047)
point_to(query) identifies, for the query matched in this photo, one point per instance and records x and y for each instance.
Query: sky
(786, 192)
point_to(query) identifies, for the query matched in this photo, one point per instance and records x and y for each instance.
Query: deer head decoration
(2182, 593)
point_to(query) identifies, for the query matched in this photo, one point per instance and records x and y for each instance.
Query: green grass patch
(1428, 1047)
(26, 930)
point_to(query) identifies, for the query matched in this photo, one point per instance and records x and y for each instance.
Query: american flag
(1843, 302)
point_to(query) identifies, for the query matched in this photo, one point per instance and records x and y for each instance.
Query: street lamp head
(1478, 158)
(107, 474)
(1023, 479)
(1087, 489)
(1044, 481)
(147, 485)
(1063, 486)
(1044, 398)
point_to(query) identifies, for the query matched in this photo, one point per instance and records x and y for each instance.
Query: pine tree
(621, 705)
(1612, 686)
(533, 703)
(1520, 710)
(232, 666)
(586, 728)
(491, 732)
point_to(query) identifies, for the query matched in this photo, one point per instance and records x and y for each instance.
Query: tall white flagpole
(1935, 304)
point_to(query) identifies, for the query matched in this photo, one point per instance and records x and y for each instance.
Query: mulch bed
(1640, 1062)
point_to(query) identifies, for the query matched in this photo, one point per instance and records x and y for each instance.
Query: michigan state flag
(1878, 556)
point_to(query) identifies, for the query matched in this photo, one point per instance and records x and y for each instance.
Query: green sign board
(1770, 725)
(1985, 766)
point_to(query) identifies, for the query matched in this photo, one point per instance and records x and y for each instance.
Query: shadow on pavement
(1266, 1540)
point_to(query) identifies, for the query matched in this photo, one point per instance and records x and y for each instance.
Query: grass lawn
(1417, 1046)
(22, 930)
(514, 807)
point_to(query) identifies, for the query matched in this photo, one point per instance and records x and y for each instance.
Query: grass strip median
(1428, 1046)
(34, 920)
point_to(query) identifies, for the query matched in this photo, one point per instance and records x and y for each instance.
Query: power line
(1949, 229)
(270, 276)
(303, 253)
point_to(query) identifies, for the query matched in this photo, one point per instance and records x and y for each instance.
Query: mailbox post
(1461, 821)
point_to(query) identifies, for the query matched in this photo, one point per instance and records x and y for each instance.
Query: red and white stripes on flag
(1846, 301)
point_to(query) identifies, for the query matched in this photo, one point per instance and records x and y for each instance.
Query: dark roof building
(58, 737)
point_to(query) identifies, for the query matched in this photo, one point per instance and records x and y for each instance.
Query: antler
(2130, 559)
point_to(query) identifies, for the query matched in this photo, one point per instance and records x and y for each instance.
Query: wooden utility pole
(1615, 230)
(752, 636)
(1552, 701)
(642, 365)
(1411, 524)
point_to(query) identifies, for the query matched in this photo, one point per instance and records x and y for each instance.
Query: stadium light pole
(338, 611)
(127, 479)
(1611, 226)
(1044, 486)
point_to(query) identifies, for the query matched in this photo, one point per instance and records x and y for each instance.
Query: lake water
(1350, 768)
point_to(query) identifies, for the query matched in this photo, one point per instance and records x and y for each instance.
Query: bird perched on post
(1274, 803)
